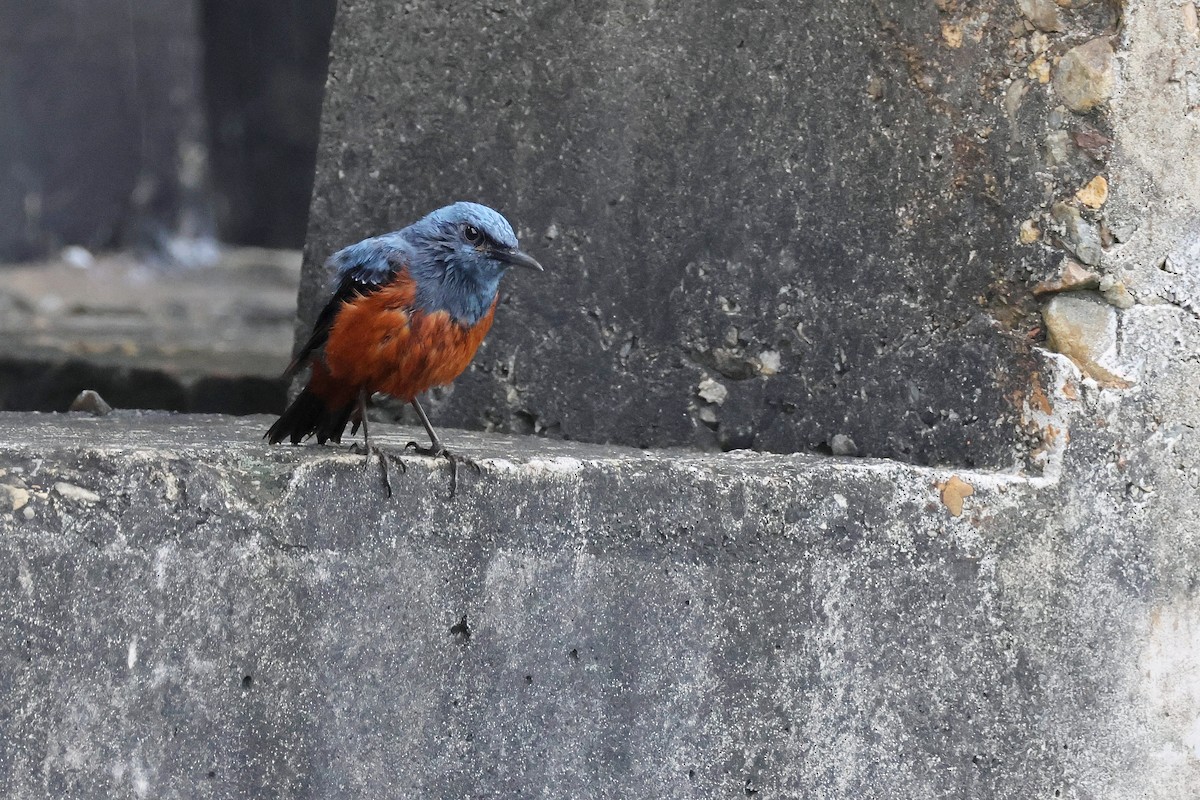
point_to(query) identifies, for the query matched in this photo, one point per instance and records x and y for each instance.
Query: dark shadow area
(46, 386)
(264, 75)
(137, 124)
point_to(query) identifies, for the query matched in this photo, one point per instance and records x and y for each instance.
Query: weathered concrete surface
(102, 134)
(817, 205)
(187, 613)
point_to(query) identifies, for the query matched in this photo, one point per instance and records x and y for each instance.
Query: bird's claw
(387, 478)
(453, 458)
(384, 462)
(426, 451)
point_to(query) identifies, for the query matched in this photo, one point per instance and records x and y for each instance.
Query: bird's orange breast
(380, 343)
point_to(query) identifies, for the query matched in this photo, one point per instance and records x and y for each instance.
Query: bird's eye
(472, 234)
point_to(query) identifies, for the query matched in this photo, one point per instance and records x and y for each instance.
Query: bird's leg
(435, 444)
(437, 449)
(362, 420)
(383, 462)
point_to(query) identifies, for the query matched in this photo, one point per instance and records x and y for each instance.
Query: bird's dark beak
(518, 259)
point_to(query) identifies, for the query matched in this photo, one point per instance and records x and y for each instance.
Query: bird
(407, 313)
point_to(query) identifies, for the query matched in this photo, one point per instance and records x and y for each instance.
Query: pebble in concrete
(1095, 193)
(1083, 327)
(15, 496)
(1081, 236)
(69, 491)
(90, 402)
(1084, 78)
(1044, 14)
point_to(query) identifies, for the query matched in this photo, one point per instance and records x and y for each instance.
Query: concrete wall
(185, 612)
(767, 225)
(264, 73)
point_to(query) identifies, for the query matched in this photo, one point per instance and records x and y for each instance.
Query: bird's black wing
(373, 269)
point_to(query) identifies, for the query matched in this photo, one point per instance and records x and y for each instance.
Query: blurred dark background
(126, 121)
(156, 165)
(264, 75)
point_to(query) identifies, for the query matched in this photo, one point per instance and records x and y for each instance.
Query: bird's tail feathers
(314, 412)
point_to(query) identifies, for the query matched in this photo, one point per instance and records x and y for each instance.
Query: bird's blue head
(459, 254)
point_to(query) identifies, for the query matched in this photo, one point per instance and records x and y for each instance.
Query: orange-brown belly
(378, 345)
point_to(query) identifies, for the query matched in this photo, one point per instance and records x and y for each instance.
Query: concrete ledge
(185, 612)
(207, 339)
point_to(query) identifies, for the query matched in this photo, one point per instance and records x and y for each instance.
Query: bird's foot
(384, 463)
(455, 459)
(432, 450)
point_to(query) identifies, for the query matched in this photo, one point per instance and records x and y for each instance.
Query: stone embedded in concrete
(832, 180)
(1095, 193)
(1116, 292)
(1082, 236)
(1084, 76)
(842, 445)
(90, 402)
(1083, 327)
(1190, 22)
(1044, 14)
(1072, 276)
(1029, 232)
(1039, 69)
(954, 493)
(16, 497)
(101, 140)
(1057, 144)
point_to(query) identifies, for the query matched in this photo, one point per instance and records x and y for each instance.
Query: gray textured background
(128, 122)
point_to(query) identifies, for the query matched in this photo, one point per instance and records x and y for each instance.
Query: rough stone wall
(1156, 123)
(101, 140)
(766, 226)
